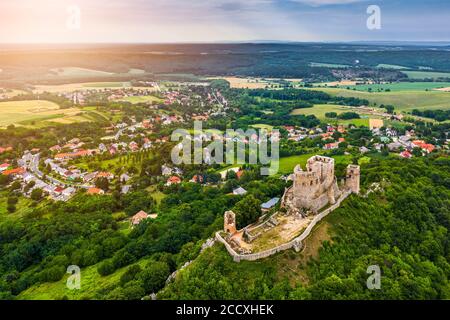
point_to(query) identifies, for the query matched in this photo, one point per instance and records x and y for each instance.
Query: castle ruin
(313, 194)
(313, 188)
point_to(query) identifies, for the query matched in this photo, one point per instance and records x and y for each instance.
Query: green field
(391, 66)
(34, 113)
(426, 74)
(402, 100)
(401, 86)
(91, 284)
(328, 65)
(288, 164)
(141, 99)
(319, 110)
(267, 127)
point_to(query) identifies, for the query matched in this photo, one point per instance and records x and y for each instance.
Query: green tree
(248, 210)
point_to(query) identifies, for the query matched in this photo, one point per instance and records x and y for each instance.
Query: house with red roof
(14, 172)
(4, 166)
(138, 218)
(95, 191)
(406, 154)
(173, 180)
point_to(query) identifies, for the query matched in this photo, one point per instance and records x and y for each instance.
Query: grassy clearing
(426, 74)
(391, 66)
(267, 127)
(157, 195)
(141, 99)
(287, 164)
(80, 86)
(402, 100)
(402, 86)
(93, 286)
(328, 65)
(319, 110)
(33, 112)
(23, 207)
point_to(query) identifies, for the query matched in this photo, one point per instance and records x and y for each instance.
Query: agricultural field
(39, 113)
(31, 112)
(403, 100)
(391, 66)
(249, 83)
(141, 99)
(401, 86)
(320, 110)
(85, 86)
(426, 74)
(79, 72)
(328, 65)
(9, 93)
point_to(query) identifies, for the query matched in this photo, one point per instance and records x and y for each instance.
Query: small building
(406, 154)
(4, 166)
(239, 191)
(125, 189)
(95, 191)
(197, 179)
(138, 218)
(14, 172)
(173, 180)
(270, 204)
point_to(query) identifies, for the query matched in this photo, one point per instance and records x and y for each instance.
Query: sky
(152, 21)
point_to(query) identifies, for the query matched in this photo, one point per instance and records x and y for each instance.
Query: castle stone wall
(295, 243)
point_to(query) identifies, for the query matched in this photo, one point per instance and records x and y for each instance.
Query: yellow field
(71, 87)
(249, 83)
(11, 93)
(33, 111)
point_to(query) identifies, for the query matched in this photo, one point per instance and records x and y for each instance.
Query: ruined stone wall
(295, 243)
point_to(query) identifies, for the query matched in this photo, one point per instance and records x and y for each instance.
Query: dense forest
(291, 60)
(402, 226)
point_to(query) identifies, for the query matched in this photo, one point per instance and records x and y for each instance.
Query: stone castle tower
(229, 222)
(352, 178)
(316, 187)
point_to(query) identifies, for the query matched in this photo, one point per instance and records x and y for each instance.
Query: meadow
(402, 100)
(31, 112)
(426, 74)
(40, 113)
(390, 66)
(328, 65)
(319, 110)
(141, 99)
(91, 284)
(401, 86)
(287, 164)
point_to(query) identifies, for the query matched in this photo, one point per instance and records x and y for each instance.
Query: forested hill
(403, 228)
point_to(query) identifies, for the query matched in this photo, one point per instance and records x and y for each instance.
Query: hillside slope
(403, 229)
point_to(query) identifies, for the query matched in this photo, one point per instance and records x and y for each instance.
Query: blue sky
(222, 20)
